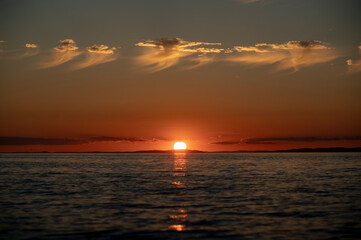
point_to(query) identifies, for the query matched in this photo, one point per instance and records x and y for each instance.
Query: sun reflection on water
(178, 227)
(179, 217)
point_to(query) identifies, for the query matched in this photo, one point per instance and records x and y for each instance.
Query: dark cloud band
(8, 141)
(274, 140)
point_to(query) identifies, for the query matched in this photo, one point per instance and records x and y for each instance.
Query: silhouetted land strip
(299, 150)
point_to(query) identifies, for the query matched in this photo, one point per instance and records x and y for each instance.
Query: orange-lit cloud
(66, 45)
(97, 54)
(31, 45)
(290, 55)
(354, 66)
(64, 52)
(31, 50)
(164, 53)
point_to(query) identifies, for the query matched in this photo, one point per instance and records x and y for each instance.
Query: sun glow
(180, 146)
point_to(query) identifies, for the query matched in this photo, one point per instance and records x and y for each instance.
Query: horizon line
(319, 149)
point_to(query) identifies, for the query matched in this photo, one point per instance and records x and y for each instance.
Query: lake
(180, 196)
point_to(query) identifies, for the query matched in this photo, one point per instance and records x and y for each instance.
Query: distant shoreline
(293, 150)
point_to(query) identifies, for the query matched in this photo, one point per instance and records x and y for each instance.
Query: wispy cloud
(290, 55)
(167, 52)
(31, 50)
(8, 141)
(64, 52)
(248, 1)
(274, 140)
(97, 54)
(1, 43)
(201, 60)
(354, 66)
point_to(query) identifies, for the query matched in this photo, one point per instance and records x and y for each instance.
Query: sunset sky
(219, 75)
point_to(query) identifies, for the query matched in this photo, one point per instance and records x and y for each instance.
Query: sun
(180, 146)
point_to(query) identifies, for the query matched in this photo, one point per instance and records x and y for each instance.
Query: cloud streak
(19, 141)
(354, 66)
(31, 49)
(248, 1)
(290, 55)
(1, 42)
(275, 140)
(97, 54)
(64, 52)
(167, 52)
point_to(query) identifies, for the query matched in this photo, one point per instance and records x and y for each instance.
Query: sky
(220, 75)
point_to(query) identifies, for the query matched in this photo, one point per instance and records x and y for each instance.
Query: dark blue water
(181, 196)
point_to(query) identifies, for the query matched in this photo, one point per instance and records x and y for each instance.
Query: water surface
(181, 196)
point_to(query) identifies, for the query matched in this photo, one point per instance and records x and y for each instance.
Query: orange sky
(254, 76)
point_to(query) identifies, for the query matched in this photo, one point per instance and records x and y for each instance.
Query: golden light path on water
(179, 172)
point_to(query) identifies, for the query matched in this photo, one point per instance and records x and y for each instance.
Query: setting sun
(180, 146)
